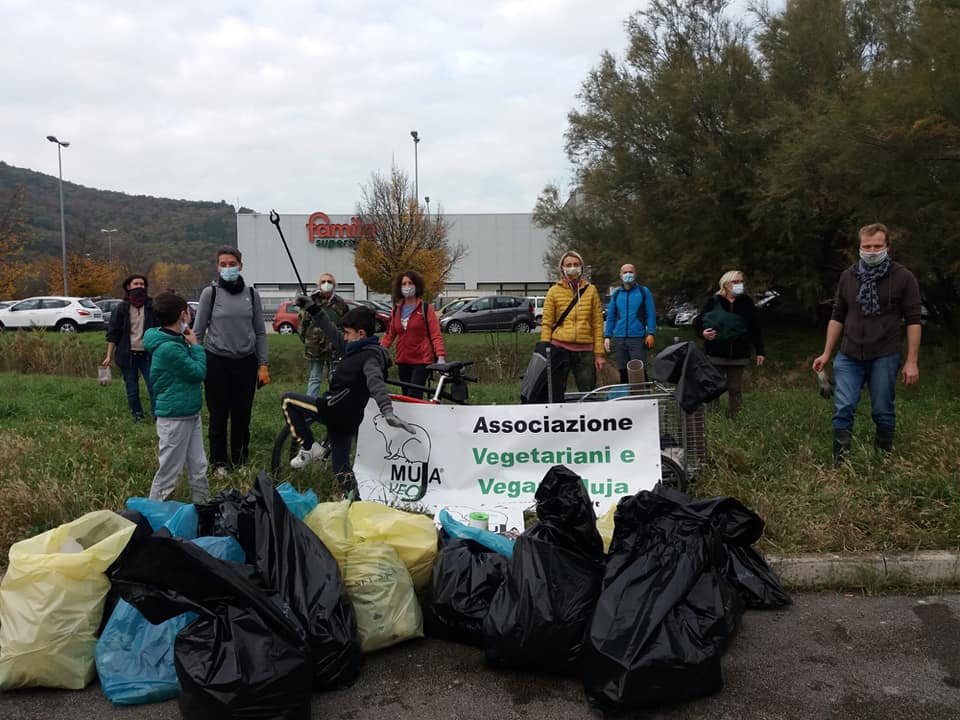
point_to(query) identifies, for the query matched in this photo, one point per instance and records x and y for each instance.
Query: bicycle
(451, 386)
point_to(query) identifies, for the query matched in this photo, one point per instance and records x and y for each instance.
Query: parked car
(377, 305)
(6, 303)
(107, 306)
(492, 312)
(286, 320)
(453, 306)
(685, 314)
(538, 301)
(65, 314)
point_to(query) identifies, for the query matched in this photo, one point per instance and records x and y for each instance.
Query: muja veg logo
(409, 457)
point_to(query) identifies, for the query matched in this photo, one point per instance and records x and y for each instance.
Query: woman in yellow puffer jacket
(577, 341)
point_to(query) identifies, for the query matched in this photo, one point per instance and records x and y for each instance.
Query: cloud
(292, 105)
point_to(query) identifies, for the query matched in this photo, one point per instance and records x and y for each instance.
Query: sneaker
(316, 452)
(138, 417)
(220, 471)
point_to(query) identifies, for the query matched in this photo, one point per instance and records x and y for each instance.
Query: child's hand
(190, 336)
(394, 421)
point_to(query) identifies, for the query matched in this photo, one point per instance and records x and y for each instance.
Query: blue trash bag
(299, 504)
(183, 523)
(490, 540)
(134, 657)
(157, 512)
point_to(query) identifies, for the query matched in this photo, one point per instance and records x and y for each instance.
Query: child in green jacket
(178, 368)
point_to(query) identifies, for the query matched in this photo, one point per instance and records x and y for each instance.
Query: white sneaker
(316, 452)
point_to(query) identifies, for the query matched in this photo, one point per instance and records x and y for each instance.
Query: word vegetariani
(579, 424)
(560, 456)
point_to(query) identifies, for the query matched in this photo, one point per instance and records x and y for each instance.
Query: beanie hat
(569, 253)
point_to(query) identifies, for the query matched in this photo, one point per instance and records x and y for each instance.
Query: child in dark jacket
(358, 376)
(178, 367)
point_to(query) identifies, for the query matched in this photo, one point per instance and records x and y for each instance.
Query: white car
(65, 314)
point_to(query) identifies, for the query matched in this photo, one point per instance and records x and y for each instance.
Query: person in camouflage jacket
(317, 347)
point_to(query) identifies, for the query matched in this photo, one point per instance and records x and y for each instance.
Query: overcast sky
(292, 104)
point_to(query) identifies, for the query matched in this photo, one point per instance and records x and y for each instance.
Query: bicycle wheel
(285, 447)
(672, 474)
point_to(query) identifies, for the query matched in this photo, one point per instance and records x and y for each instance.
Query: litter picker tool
(275, 219)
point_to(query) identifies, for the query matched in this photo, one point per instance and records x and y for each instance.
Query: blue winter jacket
(177, 371)
(622, 320)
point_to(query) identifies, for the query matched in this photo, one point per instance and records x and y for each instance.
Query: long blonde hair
(728, 277)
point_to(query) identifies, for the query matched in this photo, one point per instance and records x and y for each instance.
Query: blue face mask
(627, 278)
(230, 274)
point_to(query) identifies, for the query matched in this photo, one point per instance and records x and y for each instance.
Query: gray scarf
(868, 297)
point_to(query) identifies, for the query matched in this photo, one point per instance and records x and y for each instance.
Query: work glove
(648, 341)
(394, 421)
(263, 376)
(606, 344)
(307, 303)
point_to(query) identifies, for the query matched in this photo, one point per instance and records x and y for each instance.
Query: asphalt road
(829, 656)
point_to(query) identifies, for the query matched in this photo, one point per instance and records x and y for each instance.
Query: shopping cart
(683, 435)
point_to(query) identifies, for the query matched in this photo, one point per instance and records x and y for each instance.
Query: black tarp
(697, 380)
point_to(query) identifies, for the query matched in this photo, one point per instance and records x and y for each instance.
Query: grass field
(68, 446)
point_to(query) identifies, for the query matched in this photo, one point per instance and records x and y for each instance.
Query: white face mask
(737, 288)
(184, 326)
(326, 287)
(572, 271)
(873, 258)
(409, 291)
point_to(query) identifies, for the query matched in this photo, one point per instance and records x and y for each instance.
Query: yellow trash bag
(413, 536)
(331, 522)
(605, 527)
(380, 588)
(51, 601)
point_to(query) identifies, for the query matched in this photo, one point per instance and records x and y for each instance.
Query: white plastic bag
(104, 376)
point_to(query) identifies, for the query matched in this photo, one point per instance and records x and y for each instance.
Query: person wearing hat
(573, 325)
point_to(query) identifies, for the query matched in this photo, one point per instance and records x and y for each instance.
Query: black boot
(841, 445)
(883, 440)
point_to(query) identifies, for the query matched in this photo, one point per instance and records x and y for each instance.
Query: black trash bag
(466, 575)
(538, 617)
(246, 656)
(534, 385)
(739, 527)
(229, 513)
(142, 530)
(667, 610)
(697, 380)
(292, 560)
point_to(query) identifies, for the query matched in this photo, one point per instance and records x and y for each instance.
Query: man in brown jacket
(876, 298)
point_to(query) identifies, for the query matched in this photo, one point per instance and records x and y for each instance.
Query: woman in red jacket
(415, 326)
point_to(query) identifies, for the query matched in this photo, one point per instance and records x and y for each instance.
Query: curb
(821, 571)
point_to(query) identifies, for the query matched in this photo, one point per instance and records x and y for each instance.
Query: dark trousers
(734, 375)
(139, 365)
(581, 364)
(229, 389)
(416, 374)
(300, 410)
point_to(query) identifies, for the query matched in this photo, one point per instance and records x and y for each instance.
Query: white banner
(493, 457)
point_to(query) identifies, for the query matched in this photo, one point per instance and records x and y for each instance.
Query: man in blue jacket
(631, 321)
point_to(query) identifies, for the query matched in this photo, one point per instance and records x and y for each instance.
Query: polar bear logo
(401, 445)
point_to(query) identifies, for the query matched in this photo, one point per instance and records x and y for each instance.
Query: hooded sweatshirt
(177, 371)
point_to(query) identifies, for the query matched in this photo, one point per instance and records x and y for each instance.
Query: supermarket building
(503, 254)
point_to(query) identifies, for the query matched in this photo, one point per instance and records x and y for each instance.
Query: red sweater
(413, 344)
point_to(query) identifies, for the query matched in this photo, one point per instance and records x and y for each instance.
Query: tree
(402, 237)
(88, 277)
(12, 239)
(184, 279)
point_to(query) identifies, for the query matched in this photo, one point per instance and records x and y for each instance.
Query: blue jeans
(628, 349)
(315, 380)
(880, 377)
(139, 363)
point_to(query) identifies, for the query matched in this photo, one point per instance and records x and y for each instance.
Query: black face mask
(137, 296)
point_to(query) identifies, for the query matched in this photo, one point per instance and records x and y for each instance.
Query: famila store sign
(323, 233)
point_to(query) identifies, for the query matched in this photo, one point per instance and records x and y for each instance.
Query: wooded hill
(149, 229)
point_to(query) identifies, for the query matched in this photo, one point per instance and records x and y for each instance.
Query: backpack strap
(426, 325)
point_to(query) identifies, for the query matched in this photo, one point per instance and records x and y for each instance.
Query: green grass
(68, 446)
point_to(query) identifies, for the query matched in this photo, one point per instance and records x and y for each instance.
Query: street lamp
(63, 225)
(109, 233)
(427, 198)
(416, 185)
